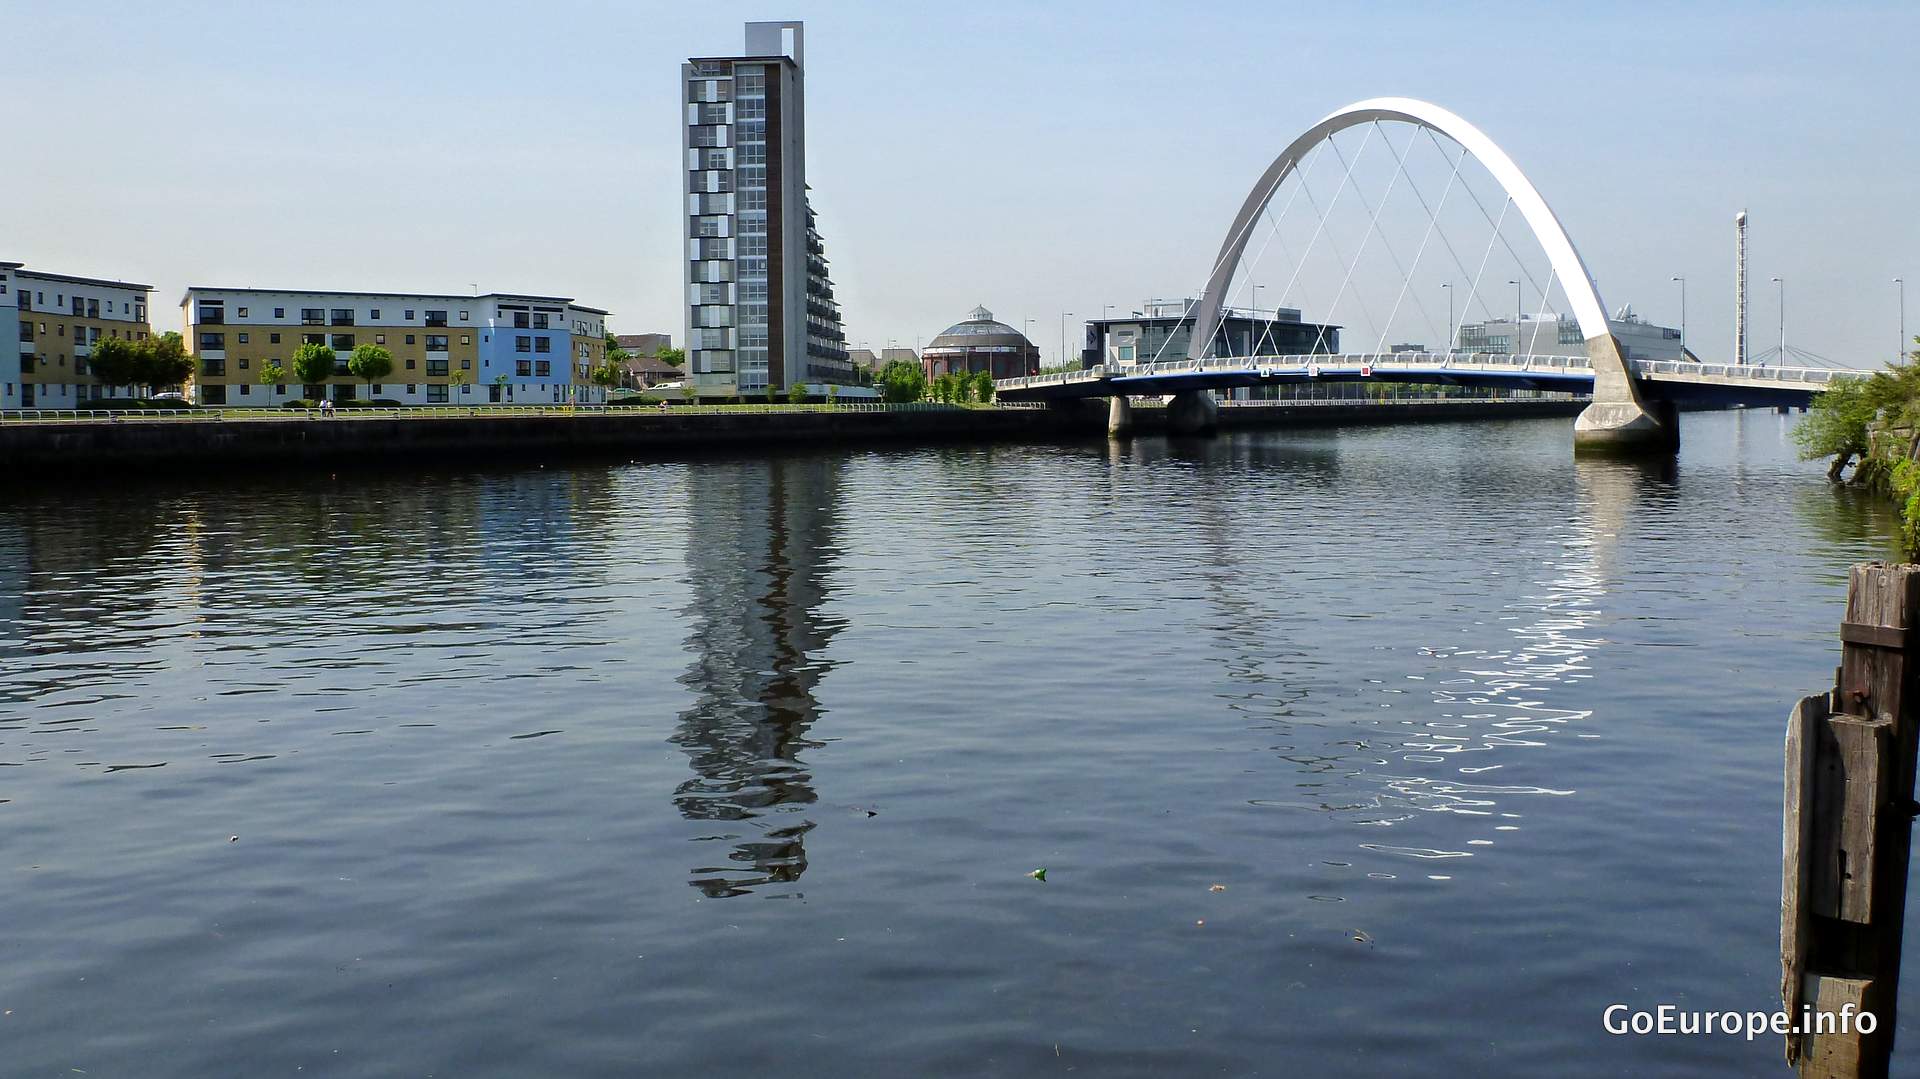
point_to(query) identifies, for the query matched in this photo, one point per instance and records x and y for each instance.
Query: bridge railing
(1391, 361)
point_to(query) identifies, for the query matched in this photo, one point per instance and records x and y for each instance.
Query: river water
(1390, 751)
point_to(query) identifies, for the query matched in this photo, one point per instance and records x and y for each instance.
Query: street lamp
(1901, 284)
(1682, 278)
(1252, 342)
(1783, 321)
(1449, 287)
(1063, 338)
(1519, 306)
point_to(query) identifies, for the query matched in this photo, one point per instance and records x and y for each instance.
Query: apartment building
(760, 306)
(57, 318)
(500, 348)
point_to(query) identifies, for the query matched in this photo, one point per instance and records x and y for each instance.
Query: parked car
(170, 395)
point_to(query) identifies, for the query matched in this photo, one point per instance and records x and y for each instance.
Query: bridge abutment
(1192, 412)
(1620, 420)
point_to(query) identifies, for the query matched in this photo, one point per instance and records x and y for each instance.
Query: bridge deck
(1727, 383)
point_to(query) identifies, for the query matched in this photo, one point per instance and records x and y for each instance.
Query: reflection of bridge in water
(761, 549)
(1634, 402)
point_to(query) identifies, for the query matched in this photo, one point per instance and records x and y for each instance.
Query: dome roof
(979, 331)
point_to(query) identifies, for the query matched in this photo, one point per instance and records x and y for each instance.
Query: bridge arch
(1576, 282)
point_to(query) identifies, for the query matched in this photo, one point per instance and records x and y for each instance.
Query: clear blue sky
(1034, 158)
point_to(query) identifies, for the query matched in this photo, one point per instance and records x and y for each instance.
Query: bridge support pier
(1119, 416)
(1193, 412)
(1620, 421)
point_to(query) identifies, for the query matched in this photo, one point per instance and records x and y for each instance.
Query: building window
(521, 320)
(243, 312)
(466, 339)
(409, 314)
(466, 365)
(373, 315)
(541, 320)
(465, 315)
(436, 342)
(313, 338)
(378, 338)
(213, 342)
(523, 344)
(437, 367)
(245, 390)
(243, 363)
(242, 337)
(343, 342)
(279, 312)
(523, 367)
(436, 318)
(543, 344)
(409, 339)
(273, 339)
(313, 316)
(436, 394)
(342, 316)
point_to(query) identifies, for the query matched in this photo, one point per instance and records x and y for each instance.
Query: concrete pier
(1119, 416)
(1620, 421)
(1194, 412)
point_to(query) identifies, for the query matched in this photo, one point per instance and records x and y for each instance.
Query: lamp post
(1901, 353)
(1682, 278)
(1449, 287)
(1063, 338)
(1782, 361)
(1253, 342)
(1519, 305)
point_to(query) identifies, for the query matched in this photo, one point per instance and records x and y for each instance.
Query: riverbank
(268, 441)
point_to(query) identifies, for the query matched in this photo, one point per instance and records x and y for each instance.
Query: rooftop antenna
(1740, 289)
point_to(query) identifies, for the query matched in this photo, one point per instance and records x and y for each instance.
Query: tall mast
(1740, 288)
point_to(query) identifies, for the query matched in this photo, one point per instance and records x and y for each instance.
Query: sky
(1037, 158)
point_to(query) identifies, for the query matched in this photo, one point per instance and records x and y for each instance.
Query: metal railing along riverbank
(268, 415)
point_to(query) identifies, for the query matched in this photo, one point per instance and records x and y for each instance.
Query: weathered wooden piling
(1848, 822)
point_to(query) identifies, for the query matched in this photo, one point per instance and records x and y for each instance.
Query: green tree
(797, 393)
(833, 394)
(672, 357)
(163, 361)
(115, 362)
(313, 364)
(901, 382)
(1837, 424)
(983, 387)
(371, 363)
(962, 388)
(272, 374)
(773, 395)
(457, 381)
(607, 374)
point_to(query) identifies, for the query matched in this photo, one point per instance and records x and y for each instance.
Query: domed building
(980, 344)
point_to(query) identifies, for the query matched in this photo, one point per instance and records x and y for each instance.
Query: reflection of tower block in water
(761, 547)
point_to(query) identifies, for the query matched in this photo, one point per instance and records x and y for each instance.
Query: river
(1374, 751)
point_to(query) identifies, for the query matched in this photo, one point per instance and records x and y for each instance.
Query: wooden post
(1848, 823)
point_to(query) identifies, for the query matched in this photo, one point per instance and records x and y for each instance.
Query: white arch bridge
(1634, 401)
